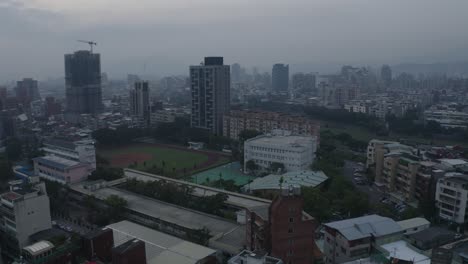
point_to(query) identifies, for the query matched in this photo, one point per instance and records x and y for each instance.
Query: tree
(116, 207)
(107, 174)
(276, 167)
(248, 134)
(251, 166)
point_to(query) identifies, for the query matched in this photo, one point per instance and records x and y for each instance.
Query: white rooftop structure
(160, 247)
(402, 251)
(39, 247)
(295, 178)
(454, 162)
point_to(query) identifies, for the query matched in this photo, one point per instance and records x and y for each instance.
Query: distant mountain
(448, 68)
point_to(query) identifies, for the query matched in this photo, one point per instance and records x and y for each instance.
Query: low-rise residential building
(414, 225)
(357, 106)
(265, 122)
(24, 211)
(294, 152)
(61, 170)
(447, 119)
(454, 164)
(249, 257)
(452, 197)
(355, 238)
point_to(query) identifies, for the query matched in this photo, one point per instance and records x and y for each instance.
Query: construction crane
(91, 43)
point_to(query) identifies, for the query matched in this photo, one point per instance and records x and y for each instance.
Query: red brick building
(130, 252)
(283, 229)
(98, 245)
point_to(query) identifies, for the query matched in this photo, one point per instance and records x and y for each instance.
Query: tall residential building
(236, 72)
(24, 211)
(386, 75)
(400, 171)
(280, 78)
(27, 91)
(294, 152)
(303, 82)
(265, 122)
(452, 197)
(83, 83)
(140, 101)
(210, 84)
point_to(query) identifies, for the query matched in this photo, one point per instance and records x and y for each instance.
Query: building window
(291, 219)
(290, 230)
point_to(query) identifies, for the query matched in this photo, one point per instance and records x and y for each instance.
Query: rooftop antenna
(91, 44)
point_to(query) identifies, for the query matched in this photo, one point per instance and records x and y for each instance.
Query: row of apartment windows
(274, 150)
(270, 156)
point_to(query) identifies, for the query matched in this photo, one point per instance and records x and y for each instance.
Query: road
(374, 194)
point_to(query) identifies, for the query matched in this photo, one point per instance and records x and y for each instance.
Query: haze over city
(162, 37)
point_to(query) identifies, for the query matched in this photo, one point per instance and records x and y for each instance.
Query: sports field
(169, 160)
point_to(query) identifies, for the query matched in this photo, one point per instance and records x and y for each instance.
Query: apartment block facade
(24, 211)
(210, 86)
(452, 197)
(265, 122)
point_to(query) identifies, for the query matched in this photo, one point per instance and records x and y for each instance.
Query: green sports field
(162, 159)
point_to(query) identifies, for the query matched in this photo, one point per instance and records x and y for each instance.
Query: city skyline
(320, 34)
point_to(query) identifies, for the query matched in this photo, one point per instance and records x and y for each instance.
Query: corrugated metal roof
(413, 222)
(365, 226)
(295, 178)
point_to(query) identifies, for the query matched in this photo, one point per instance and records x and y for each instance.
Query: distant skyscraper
(211, 84)
(27, 91)
(303, 82)
(236, 72)
(386, 75)
(83, 83)
(132, 79)
(139, 100)
(280, 77)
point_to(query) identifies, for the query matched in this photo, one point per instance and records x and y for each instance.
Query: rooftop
(170, 213)
(413, 222)
(454, 162)
(365, 226)
(160, 247)
(433, 235)
(57, 162)
(11, 196)
(60, 143)
(295, 178)
(402, 251)
(282, 141)
(39, 247)
(249, 257)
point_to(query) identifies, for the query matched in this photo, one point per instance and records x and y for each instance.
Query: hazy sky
(169, 35)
